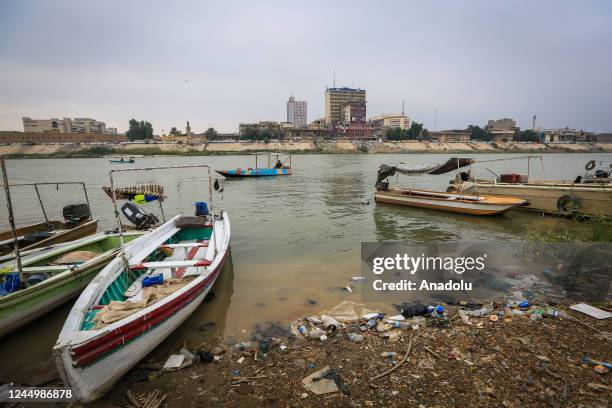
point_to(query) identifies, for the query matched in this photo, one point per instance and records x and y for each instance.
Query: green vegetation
(140, 130)
(210, 133)
(526, 136)
(596, 229)
(478, 133)
(174, 131)
(415, 132)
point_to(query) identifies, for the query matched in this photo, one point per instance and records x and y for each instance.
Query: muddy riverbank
(510, 362)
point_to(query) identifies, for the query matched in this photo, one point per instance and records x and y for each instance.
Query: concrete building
(66, 125)
(565, 135)
(353, 111)
(274, 128)
(391, 121)
(337, 98)
(603, 137)
(297, 112)
(502, 130)
(445, 136)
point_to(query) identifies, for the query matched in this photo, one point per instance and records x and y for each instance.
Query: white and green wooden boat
(54, 277)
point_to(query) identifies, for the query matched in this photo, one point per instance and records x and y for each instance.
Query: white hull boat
(92, 351)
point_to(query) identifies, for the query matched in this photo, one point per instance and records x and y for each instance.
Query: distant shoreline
(305, 147)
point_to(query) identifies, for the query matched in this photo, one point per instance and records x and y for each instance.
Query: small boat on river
(121, 160)
(77, 223)
(435, 200)
(277, 164)
(141, 297)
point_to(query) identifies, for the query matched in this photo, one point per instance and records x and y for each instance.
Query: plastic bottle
(524, 304)
(484, 311)
(389, 354)
(551, 312)
(536, 316)
(357, 338)
(399, 324)
(303, 330)
(316, 333)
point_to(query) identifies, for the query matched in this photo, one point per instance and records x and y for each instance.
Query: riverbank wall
(330, 146)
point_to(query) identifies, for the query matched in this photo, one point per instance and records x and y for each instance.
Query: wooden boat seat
(186, 245)
(172, 264)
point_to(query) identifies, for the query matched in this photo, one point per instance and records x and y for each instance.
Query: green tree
(210, 133)
(478, 133)
(415, 131)
(174, 132)
(139, 130)
(527, 136)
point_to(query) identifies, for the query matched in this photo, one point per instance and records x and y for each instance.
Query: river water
(295, 240)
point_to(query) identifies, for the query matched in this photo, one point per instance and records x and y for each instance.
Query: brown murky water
(295, 240)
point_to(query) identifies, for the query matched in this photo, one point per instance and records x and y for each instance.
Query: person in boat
(279, 164)
(121, 160)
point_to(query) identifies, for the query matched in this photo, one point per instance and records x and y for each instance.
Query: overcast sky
(221, 63)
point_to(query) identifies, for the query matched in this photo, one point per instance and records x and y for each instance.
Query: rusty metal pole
(9, 206)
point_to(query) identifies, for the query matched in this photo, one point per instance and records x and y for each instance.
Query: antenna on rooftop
(436, 120)
(403, 109)
(334, 78)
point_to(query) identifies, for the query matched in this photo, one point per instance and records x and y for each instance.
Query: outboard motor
(138, 217)
(75, 213)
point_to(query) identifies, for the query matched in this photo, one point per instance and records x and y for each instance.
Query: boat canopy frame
(278, 155)
(134, 169)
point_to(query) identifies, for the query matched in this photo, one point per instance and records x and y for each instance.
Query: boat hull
(455, 206)
(593, 200)
(254, 173)
(90, 361)
(88, 384)
(24, 306)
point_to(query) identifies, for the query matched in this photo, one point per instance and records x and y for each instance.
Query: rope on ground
(395, 367)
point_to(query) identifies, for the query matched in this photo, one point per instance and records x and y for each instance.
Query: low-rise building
(564, 135)
(446, 136)
(502, 130)
(274, 128)
(66, 125)
(391, 121)
(603, 137)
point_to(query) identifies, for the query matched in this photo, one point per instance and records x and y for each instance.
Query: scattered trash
(316, 333)
(392, 335)
(493, 318)
(323, 337)
(330, 323)
(179, 361)
(304, 395)
(318, 385)
(333, 374)
(591, 311)
(588, 360)
(601, 369)
(240, 360)
(389, 354)
(236, 373)
(314, 319)
(411, 309)
(359, 279)
(479, 312)
(357, 338)
(464, 318)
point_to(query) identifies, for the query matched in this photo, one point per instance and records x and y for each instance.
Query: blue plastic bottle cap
(439, 309)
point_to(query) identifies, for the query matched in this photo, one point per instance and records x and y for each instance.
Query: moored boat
(139, 298)
(51, 277)
(587, 195)
(278, 164)
(77, 223)
(458, 203)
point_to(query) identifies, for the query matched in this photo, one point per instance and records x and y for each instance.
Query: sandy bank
(339, 146)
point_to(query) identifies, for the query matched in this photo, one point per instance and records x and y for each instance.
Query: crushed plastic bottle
(316, 333)
(536, 316)
(484, 311)
(388, 354)
(303, 330)
(357, 338)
